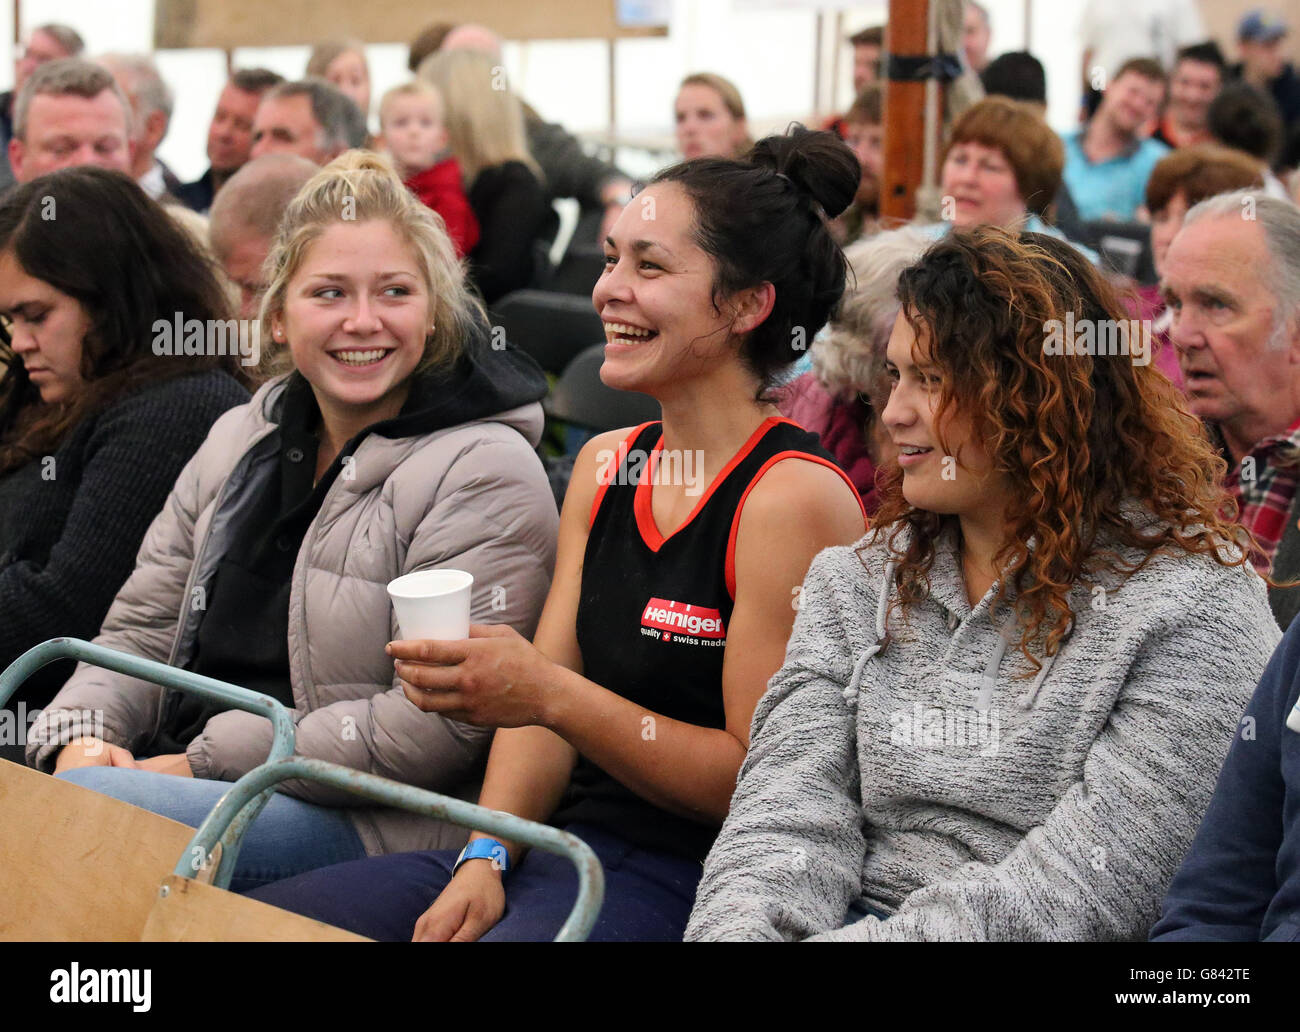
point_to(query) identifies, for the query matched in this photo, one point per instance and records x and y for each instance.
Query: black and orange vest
(653, 612)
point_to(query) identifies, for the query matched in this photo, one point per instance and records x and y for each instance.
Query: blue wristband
(484, 849)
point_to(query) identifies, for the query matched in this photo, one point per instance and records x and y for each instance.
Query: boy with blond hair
(412, 131)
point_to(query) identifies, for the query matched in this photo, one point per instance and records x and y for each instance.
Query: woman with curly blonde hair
(1001, 713)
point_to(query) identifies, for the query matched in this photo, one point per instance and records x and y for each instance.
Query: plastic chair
(77, 865)
(552, 327)
(1125, 247)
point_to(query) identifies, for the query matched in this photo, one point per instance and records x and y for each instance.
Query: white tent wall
(768, 47)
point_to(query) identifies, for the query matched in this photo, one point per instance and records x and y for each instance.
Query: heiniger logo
(683, 623)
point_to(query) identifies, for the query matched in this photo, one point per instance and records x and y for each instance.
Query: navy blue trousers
(648, 896)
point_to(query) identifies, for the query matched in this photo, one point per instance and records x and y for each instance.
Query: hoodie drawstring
(989, 681)
(1030, 697)
(882, 639)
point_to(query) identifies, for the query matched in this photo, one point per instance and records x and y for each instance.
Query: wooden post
(819, 34)
(906, 36)
(612, 128)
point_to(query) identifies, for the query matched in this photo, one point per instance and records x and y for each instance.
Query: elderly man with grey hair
(309, 118)
(244, 218)
(151, 113)
(47, 42)
(70, 112)
(1232, 283)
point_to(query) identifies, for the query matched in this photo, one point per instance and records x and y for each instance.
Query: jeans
(858, 910)
(287, 838)
(648, 896)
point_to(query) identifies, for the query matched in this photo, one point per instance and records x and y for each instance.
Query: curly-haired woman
(1001, 713)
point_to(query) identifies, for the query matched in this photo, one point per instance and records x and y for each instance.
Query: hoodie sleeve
(1225, 885)
(1098, 866)
(788, 860)
(493, 517)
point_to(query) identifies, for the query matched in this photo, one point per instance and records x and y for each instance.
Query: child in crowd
(413, 132)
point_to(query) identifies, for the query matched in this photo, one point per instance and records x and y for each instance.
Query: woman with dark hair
(98, 412)
(1001, 714)
(682, 545)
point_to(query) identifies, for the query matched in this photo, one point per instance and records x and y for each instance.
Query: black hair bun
(819, 164)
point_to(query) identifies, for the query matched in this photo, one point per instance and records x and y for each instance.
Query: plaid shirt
(1265, 497)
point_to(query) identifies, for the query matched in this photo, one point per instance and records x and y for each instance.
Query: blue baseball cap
(1261, 27)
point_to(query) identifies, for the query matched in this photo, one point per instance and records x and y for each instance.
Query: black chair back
(581, 398)
(551, 327)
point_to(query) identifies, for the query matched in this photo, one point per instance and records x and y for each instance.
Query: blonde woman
(342, 62)
(485, 129)
(398, 440)
(710, 117)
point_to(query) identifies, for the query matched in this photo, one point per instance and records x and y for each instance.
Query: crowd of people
(951, 596)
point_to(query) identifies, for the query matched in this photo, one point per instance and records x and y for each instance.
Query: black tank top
(653, 612)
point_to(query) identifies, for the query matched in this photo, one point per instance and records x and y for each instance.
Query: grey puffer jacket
(472, 496)
(931, 776)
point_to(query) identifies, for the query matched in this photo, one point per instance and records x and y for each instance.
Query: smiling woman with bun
(626, 720)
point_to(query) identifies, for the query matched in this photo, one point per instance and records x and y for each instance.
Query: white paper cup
(432, 604)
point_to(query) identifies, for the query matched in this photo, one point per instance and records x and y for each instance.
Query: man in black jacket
(230, 136)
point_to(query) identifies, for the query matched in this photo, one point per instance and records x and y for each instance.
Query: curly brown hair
(1080, 438)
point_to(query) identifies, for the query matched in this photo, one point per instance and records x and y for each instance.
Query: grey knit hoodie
(930, 781)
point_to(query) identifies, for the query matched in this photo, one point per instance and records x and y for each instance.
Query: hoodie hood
(483, 383)
(948, 592)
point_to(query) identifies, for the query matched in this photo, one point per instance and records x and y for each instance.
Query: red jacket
(842, 426)
(440, 187)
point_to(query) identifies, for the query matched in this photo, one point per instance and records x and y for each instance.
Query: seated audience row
(1073, 515)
